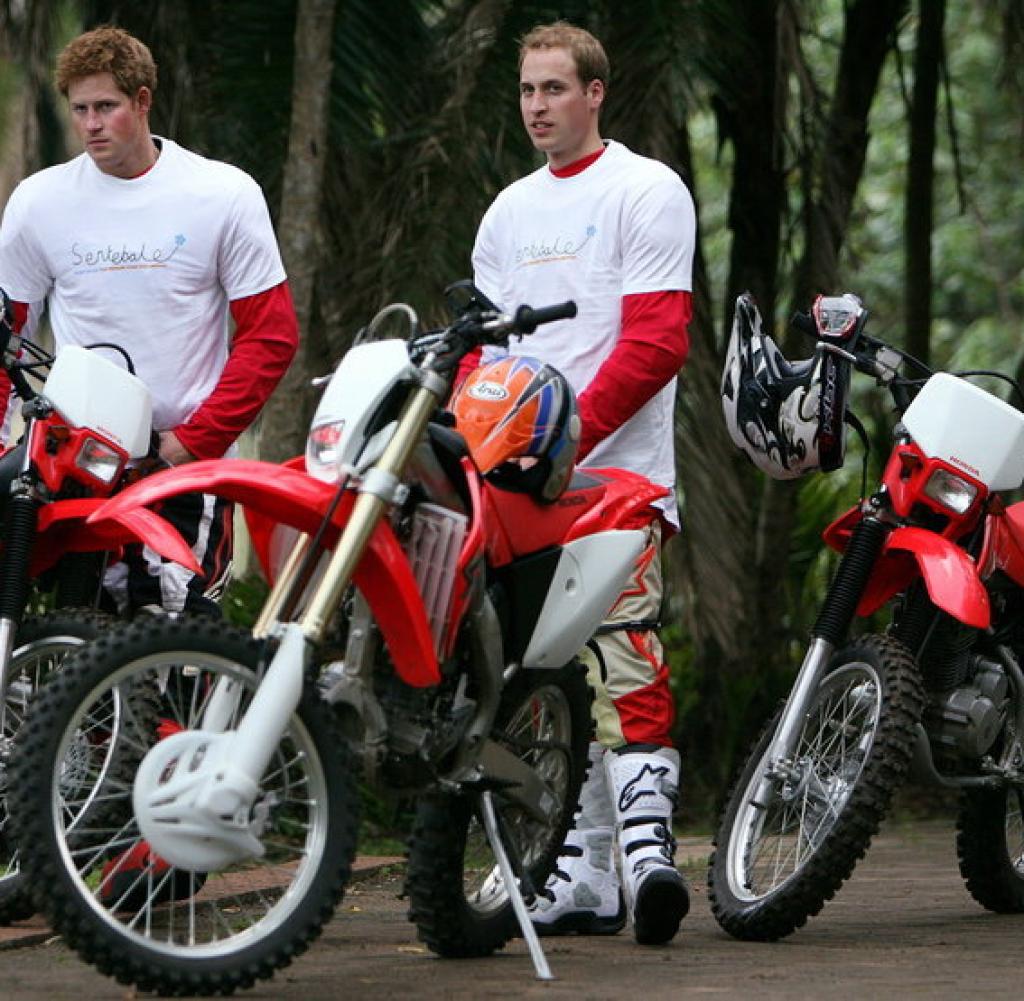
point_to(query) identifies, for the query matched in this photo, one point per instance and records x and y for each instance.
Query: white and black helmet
(787, 416)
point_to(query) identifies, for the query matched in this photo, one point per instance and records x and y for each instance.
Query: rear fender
(950, 576)
(289, 496)
(628, 503)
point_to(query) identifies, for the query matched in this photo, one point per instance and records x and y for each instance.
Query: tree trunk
(286, 416)
(870, 27)
(920, 177)
(42, 136)
(838, 164)
(738, 526)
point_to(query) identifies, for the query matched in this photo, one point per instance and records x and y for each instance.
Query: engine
(964, 723)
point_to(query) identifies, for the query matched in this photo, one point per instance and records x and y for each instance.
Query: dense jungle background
(872, 146)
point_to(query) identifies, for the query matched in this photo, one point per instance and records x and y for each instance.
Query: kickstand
(540, 963)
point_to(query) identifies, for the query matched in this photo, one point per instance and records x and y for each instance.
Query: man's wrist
(172, 451)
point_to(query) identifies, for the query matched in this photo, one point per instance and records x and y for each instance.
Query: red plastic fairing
(63, 527)
(627, 503)
(950, 576)
(906, 475)
(57, 464)
(261, 528)
(294, 498)
(1003, 548)
(837, 535)
(469, 564)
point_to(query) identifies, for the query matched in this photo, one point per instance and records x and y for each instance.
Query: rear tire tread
(985, 864)
(437, 903)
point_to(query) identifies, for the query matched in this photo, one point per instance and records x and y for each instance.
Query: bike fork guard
(194, 791)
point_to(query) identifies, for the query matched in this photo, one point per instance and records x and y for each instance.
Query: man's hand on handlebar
(172, 452)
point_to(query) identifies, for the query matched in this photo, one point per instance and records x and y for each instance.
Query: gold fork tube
(366, 514)
(282, 589)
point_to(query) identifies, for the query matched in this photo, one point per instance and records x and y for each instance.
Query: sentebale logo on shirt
(124, 257)
(558, 248)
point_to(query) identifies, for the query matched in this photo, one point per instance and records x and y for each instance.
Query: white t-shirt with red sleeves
(149, 263)
(625, 225)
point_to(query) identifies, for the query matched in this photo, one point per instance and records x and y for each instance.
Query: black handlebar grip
(529, 319)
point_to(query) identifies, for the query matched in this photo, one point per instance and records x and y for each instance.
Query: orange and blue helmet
(521, 424)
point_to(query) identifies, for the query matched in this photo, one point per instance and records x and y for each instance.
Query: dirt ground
(903, 926)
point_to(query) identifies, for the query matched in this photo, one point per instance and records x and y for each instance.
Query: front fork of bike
(279, 691)
(833, 622)
(18, 541)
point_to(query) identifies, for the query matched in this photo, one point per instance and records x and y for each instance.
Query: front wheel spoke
(283, 769)
(287, 847)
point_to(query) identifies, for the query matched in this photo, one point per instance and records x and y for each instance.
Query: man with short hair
(615, 232)
(145, 244)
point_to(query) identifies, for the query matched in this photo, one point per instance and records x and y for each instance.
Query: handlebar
(527, 319)
(882, 362)
(481, 323)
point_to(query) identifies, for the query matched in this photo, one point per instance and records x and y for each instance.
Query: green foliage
(243, 599)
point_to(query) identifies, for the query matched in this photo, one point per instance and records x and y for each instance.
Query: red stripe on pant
(646, 715)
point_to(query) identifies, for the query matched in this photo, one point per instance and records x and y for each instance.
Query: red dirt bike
(422, 626)
(941, 690)
(85, 425)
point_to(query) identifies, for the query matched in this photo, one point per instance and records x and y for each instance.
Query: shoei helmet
(787, 416)
(520, 422)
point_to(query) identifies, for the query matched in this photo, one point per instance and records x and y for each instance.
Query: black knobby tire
(460, 907)
(173, 931)
(40, 647)
(776, 862)
(990, 847)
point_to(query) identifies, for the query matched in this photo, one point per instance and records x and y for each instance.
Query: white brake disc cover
(191, 806)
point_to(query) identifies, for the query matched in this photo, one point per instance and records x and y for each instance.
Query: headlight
(99, 460)
(950, 491)
(323, 449)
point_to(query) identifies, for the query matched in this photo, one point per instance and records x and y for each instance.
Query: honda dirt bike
(82, 429)
(941, 690)
(422, 626)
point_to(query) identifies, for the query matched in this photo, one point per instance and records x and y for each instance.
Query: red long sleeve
(652, 347)
(466, 366)
(266, 339)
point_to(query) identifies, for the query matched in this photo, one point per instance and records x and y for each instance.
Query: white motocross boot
(644, 786)
(583, 894)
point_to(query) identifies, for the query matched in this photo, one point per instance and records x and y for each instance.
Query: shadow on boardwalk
(903, 926)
